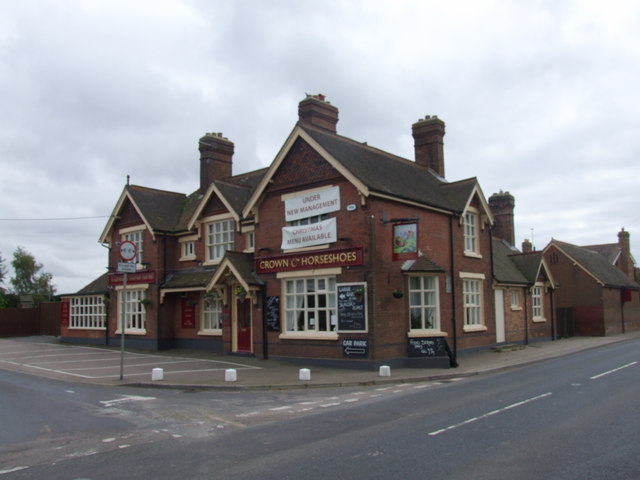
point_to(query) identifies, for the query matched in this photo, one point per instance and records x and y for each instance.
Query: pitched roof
(512, 266)
(379, 173)
(504, 268)
(98, 286)
(188, 279)
(160, 208)
(596, 265)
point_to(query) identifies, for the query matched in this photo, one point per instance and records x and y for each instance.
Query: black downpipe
(265, 338)
(553, 315)
(453, 294)
(526, 318)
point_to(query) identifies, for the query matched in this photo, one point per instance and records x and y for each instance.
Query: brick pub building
(338, 254)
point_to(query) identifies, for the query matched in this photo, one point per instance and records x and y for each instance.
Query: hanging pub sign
(339, 257)
(310, 204)
(405, 241)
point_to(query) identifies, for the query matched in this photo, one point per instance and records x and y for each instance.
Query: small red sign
(188, 314)
(64, 313)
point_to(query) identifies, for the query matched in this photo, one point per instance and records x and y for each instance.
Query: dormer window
(220, 238)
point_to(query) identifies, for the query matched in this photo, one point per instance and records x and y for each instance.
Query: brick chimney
(527, 246)
(428, 142)
(317, 112)
(625, 263)
(502, 205)
(216, 159)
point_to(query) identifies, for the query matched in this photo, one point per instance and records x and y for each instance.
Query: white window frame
(471, 233)
(211, 316)
(537, 302)
(515, 299)
(87, 312)
(424, 302)
(216, 247)
(136, 314)
(473, 301)
(136, 236)
(308, 302)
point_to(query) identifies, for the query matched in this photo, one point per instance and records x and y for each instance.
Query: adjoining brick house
(337, 253)
(597, 293)
(523, 284)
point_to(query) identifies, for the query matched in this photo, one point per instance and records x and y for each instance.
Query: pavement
(48, 357)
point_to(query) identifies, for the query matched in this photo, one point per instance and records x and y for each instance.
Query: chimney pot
(216, 158)
(428, 142)
(315, 111)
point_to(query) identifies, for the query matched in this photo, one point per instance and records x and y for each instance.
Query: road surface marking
(486, 415)
(126, 398)
(612, 371)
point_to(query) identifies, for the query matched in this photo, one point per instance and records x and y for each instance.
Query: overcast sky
(540, 98)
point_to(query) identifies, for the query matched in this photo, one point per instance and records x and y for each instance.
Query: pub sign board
(272, 313)
(352, 307)
(427, 347)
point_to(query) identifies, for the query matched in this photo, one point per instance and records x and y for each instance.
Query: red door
(244, 325)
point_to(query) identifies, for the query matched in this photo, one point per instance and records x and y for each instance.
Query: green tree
(3, 272)
(28, 279)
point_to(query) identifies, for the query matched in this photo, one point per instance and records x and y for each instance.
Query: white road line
(612, 371)
(125, 399)
(10, 470)
(486, 415)
(276, 409)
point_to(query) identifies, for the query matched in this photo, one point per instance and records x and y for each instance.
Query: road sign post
(128, 252)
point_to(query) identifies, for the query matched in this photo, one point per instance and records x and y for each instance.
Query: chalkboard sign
(272, 314)
(352, 311)
(427, 347)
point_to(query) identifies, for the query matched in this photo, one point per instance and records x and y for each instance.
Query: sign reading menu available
(308, 235)
(311, 204)
(352, 314)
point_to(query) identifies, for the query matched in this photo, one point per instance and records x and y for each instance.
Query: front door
(499, 300)
(243, 309)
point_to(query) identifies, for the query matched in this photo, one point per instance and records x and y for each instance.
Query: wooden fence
(25, 322)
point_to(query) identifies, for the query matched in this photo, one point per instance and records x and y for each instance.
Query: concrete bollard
(385, 371)
(230, 375)
(305, 374)
(157, 374)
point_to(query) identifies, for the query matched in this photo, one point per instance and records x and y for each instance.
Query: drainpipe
(453, 290)
(265, 339)
(106, 322)
(526, 317)
(553, 315)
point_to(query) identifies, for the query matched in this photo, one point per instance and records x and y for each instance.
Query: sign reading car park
(355, 347)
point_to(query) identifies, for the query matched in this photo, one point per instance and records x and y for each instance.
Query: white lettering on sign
(309, 235)
(308, 205)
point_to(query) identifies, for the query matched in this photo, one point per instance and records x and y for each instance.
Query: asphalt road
(577, 417)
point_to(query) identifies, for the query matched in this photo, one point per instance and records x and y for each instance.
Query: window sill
(539, 320)
(187, 259)
(469, 253)
(426, 333)
(308, 336)
(86, 328)
(210, 333)
(131, 332)
(475, 328)
(516, 309)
